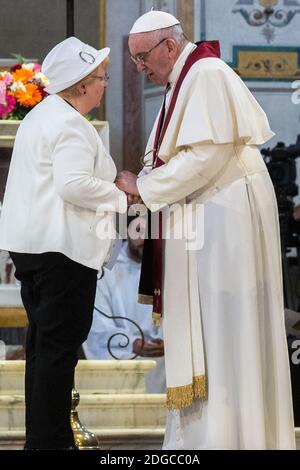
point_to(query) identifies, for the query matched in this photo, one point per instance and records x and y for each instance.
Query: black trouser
(58, 295)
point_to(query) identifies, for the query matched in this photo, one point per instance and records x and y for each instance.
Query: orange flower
(22, 75)
(30, 97)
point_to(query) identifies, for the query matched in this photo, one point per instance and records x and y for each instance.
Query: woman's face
(95, 87)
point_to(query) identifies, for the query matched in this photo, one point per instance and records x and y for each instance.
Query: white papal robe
(212, 162)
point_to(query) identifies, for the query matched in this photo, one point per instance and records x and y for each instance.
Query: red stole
(151, 272)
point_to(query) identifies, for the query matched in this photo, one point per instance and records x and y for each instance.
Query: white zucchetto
(152, 21)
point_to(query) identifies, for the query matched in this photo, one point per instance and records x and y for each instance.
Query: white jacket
(60, 175)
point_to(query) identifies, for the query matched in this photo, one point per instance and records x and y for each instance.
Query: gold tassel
(199, 386)
(156, 318)
(179, 397)
(182, 397)
(145, 299)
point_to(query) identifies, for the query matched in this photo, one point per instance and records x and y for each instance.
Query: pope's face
(157, 64)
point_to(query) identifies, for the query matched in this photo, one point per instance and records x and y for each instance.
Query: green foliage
(20, 58)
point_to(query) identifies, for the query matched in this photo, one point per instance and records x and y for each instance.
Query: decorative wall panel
(266, 63)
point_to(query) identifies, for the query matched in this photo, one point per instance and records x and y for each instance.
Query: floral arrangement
(21, 88)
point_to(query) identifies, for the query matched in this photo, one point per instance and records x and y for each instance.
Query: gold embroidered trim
(199, 385)
(145, 299)
(156, 318)
(182, 397)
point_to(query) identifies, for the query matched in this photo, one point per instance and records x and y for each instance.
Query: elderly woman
(60, 178)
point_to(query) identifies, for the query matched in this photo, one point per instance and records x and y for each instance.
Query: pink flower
(37, 68)
(8, 106)
(2, 91)
(7, 78)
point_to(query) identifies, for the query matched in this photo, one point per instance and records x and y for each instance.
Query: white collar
(173, 77)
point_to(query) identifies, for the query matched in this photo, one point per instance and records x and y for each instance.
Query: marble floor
(136, 445)
(119, 444)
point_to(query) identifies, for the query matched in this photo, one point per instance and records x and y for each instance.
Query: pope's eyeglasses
(141, 58)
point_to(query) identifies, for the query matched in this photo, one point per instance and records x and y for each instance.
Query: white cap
(69, 62)
(152, 21)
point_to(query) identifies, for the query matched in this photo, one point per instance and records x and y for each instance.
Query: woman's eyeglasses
(102, 77)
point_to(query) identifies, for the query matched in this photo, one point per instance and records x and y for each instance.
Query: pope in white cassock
(227, 371)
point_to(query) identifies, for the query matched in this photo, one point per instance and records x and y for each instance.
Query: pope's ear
(172, 46)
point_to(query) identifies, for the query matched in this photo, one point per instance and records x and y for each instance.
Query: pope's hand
(126, 181)
(131, 200)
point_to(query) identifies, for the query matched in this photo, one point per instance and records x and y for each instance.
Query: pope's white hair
(175, 32)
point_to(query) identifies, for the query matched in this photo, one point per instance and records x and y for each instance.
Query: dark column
(70, 18)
